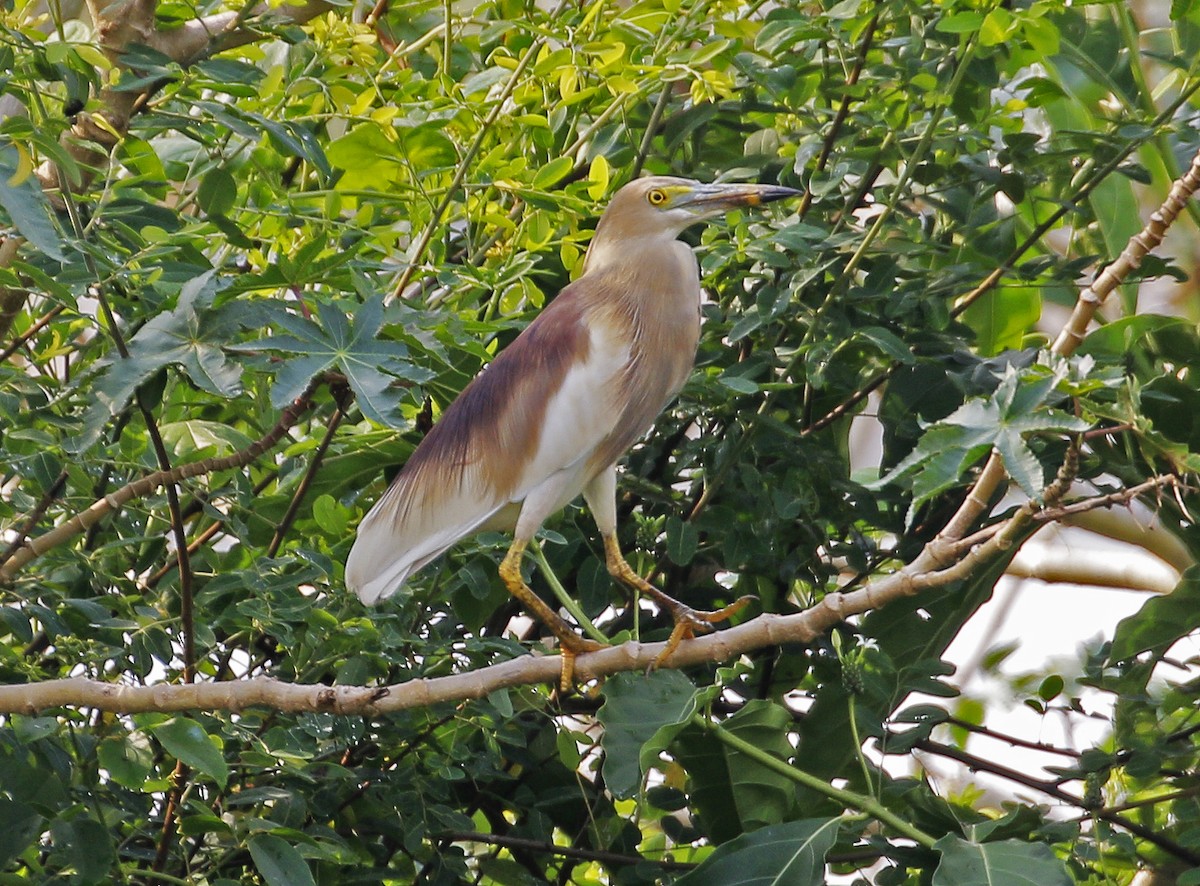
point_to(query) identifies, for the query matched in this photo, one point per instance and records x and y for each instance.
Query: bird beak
(709, 200)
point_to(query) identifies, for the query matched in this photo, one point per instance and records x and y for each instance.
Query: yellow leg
(570, 643)
(688, 622)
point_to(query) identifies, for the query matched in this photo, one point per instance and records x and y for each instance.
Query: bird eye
(656, 197)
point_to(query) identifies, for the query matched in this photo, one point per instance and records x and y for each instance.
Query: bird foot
(568, 651)
(690, 623)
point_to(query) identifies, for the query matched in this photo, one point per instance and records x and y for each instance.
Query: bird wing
(541, 407)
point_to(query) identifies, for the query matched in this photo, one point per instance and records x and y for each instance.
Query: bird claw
(690, 623)
(569, 651)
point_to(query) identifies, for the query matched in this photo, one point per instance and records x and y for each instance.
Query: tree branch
(120, 25)
(1073, 333)
(510, 842)
(767, 630)
(81, 522)
(1051, 789)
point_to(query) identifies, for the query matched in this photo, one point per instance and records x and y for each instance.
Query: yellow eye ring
(656, 197)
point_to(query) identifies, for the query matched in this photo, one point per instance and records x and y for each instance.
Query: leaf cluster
(340, 223)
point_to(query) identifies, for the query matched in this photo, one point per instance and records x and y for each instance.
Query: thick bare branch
(767, 630)
(202, 37)
(1138, 247)
(1059, 563)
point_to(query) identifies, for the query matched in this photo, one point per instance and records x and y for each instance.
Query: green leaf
(190, 337)
(960, 23)
(128, 759)
(27, 206)
(185, 740)
(552, 173)
(20, 826)
(197, 435)
(279, 862)
(364, 148)
(330, 516)
(640, 715)
(731, 793)
(749, 321)
(88, 848)
(1020, 463)
(738, 383)
(1017, 408)
(791, 853)
(1003, 317)
(1160, 622)
(889, 343)
(682, 541)
(372, 366)
(427, 148)
(915, 629)
(1004, 863)
(217, 192)
(1126, 334)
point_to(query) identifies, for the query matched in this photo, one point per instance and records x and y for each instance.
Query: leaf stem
(850, 799)
(560, 592)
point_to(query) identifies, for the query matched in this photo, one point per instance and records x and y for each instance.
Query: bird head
(663, 207)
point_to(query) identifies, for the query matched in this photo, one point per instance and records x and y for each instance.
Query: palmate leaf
(191, 337)
(348, 346)
(1003, 421)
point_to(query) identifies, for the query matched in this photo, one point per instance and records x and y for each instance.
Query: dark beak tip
(771, 193)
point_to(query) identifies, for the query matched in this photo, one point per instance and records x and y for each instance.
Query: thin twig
(207, 535)
(843, 111)
(305, 482)
(35, 547)
(1051, 789)
(435, 222)
(37, 326)
(1013, 740)
(600, 855)
(35, 515)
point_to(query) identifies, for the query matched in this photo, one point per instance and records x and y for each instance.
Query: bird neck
(629, 254)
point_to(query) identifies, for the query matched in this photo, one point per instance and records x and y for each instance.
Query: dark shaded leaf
(22, 198)
(791, 853)
(1004, 863)
(640, 715)
(1160, 622)
(185, 740)
(279, 862)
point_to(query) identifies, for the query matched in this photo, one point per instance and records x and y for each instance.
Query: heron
(550, 416)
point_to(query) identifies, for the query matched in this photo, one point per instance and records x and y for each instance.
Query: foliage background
(271, 180)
